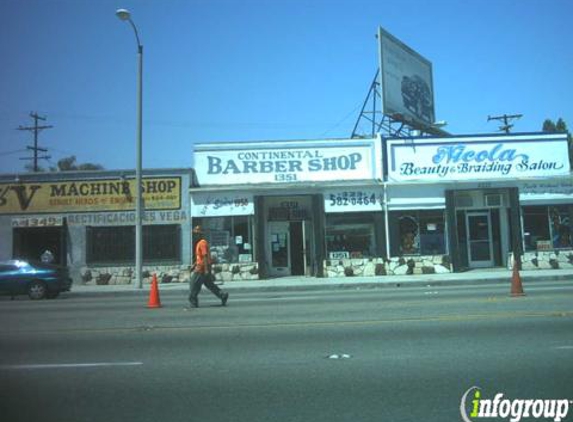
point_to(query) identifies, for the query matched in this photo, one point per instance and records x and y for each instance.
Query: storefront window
(117, 244)
(350, 236)
(547, 227)
(230, 238)
(417, 233)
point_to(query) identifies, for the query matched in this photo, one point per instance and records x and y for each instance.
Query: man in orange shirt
(202, 272)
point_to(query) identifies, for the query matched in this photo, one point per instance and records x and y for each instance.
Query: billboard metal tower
(400, 101)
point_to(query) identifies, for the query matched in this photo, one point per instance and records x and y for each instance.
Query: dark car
(37, 280)
(417, 97)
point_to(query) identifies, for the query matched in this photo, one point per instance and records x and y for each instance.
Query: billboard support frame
(374, 113)
(371, 115)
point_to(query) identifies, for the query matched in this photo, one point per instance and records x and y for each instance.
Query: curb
(298, 286)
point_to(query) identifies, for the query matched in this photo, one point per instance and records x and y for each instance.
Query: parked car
(37, 280)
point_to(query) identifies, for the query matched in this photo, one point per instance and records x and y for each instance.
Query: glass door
(479, 239)
(278, 245)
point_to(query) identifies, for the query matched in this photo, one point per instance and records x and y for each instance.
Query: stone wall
(239, 271)
(544, 260)
(165, 273)
(370, 267)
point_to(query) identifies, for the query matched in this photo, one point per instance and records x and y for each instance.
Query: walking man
(202, 273)
(47, 257)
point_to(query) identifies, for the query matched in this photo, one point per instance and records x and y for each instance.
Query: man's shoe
(224, 298)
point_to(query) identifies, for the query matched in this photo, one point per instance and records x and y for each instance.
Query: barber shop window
(161, 243)
(351, 236)
(547, 227)
(417, 233)
(230, 238)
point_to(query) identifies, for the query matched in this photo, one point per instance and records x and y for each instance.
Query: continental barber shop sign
(476, 158)
(159, 193)
(288, 162)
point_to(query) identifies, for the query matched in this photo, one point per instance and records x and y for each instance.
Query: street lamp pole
(125, 15)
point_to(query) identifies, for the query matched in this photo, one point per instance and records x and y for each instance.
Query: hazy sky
(229, 70)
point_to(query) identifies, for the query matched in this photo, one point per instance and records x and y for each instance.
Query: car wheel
(37, 290)
(53, 295)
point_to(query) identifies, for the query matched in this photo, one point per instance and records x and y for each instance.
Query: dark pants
(197, 280)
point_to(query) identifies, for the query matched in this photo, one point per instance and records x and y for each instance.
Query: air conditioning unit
(494, 200)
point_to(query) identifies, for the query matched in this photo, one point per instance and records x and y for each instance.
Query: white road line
(69, 365)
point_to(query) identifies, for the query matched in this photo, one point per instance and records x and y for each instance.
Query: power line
(36, 129)
(16, 151)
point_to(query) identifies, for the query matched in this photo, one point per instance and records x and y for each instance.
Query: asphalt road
(389, 354)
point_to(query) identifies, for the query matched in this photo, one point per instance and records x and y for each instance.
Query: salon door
(479, 238)
(278, 244)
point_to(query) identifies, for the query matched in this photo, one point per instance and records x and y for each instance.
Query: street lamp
(124, 15)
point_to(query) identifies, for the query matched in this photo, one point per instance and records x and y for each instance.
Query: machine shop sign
(286, 162)
(88, 195)
(476, 158)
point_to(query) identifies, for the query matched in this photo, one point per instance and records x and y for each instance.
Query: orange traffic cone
(154, 301)
(516, 287)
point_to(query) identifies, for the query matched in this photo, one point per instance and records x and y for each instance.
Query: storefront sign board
(288, 162)
(126, 218)
(545, 192)
(159, 193)
(221, 204)
(353, 199)
(478, 158)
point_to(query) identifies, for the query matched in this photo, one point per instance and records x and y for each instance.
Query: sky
(262, 70)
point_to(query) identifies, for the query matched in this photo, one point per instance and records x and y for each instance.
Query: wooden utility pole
(506, 118)
(36, 129)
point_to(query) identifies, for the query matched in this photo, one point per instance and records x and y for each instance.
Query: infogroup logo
(515, 410)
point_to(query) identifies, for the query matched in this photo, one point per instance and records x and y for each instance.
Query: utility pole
(506, 119)
(36, 129)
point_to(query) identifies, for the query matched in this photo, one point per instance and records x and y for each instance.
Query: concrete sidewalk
(475, 277)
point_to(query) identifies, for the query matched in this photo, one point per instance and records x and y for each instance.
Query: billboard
(478, 158)
(406, 81)
(288, 161)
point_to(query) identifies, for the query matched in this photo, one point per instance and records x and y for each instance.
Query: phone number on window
(352, 198)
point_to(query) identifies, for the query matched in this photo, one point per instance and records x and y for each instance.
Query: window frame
(119, 244)
(421, 218)
(347, 222)
(545, 219)
(228, 223)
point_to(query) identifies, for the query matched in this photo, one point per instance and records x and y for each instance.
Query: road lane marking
(420, 319)
(296, 324)
(564, 347)
(69, 365)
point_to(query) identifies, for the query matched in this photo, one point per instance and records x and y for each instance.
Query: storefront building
(372, 207)
(276, 209)
(321, 208)
(490, 197)
(87, 220)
